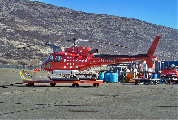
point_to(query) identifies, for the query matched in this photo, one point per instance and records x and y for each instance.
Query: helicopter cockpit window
(58, 58)
(50, 58)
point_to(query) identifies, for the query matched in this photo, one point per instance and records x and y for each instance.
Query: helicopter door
(58, 58)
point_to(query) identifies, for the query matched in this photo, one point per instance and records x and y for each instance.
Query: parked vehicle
(170, 72)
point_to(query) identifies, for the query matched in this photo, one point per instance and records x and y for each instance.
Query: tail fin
(149, 62)
(153, 46)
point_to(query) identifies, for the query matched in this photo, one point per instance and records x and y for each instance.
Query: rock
(29, 24)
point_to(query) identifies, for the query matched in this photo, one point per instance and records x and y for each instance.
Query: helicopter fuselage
(82, 58)
(69, 61)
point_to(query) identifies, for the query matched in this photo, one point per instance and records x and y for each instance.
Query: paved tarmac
(108, 101)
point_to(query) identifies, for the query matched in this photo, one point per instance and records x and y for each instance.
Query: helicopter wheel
(52, 84)
(94, 75)
(75, 85)
(136, 82)
(95, 84)
(30, 84)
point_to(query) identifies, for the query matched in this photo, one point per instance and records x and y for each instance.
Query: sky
(160, 12)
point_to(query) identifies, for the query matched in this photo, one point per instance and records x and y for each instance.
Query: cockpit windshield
(46, 59)
(58, 58)
(50, 58)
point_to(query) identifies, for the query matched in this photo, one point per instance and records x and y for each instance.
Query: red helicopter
(82, 58)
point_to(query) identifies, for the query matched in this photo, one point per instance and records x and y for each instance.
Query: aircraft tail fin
(153, 46)
(149, 62)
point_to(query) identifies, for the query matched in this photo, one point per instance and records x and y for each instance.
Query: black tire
(94, 75)
(30, 84)
(136, 82)
(95, 84)
(73, 85)
(52, 84)
(168, 81)
(150, 83)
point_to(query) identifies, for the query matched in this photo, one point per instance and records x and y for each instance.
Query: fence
(27, 67)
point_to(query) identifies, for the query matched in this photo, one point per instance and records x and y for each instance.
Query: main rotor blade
(109, 44)
(81, 40)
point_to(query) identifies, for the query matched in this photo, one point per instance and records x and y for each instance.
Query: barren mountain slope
(26, 25)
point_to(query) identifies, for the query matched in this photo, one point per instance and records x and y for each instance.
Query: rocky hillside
(26, 25)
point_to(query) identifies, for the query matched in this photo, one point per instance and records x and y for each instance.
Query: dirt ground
(108, 101)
